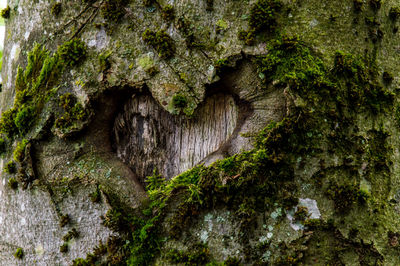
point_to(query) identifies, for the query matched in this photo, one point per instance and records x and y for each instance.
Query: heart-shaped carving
(148, 137)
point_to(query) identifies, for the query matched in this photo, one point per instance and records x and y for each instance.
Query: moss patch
(161, 42)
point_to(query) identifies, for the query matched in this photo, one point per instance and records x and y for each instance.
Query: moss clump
(363, 86)
(394, 13)
(263, 17)
(13, 183)
(114, 219)
(209, 5)
(19, 152)
(25, 118)
(198, 255)
(114, 10)
(387, 77)
(301, 214)
(7, 124)
(56, 9)
(155, 181)
(221, 64)
(232, 261)
(19, 253)
(10, 167)
(358, 4)
(5, 12)
(72, 52)
(34, 87)
(168, 13)
(179, 101)
(344, 196)
(375, 4)
(3, 145)
(64, 248)
(148, 3)
(161, 42)
(104, 61)
(64, 220)
(73, 233)
(73, 112)
(95, 196)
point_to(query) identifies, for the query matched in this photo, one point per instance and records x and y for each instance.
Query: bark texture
(318, 186)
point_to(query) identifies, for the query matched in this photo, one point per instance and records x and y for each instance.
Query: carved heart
(148, 137)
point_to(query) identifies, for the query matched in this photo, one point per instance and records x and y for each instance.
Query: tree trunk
(165, 132)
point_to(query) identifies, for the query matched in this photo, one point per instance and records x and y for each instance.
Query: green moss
(95, 196)
(5, 12)
(375, 4)
(345, 196)
(263, 17)
(179, 101)
(220, 65)
(13, 183)
(19, 253)
(168, 13)
(72, 52)
(80, 262)
(64, 248)
(155, 181)
(25, 118)
(222, 25)
(56, 9)
(387, 77)
(198, 255)
(3, 145)
(301, 214)
(148, 3)
(232, 261)
(358, 4)
(114, 10)
(161, 42)
(7, 124)
(10, 167)
(19, 152)
(114, 220)
(104, 60)
(394, 13)
(33, 86)
(73, 233)
(209, 5)
(64, 220)
(72, 114)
